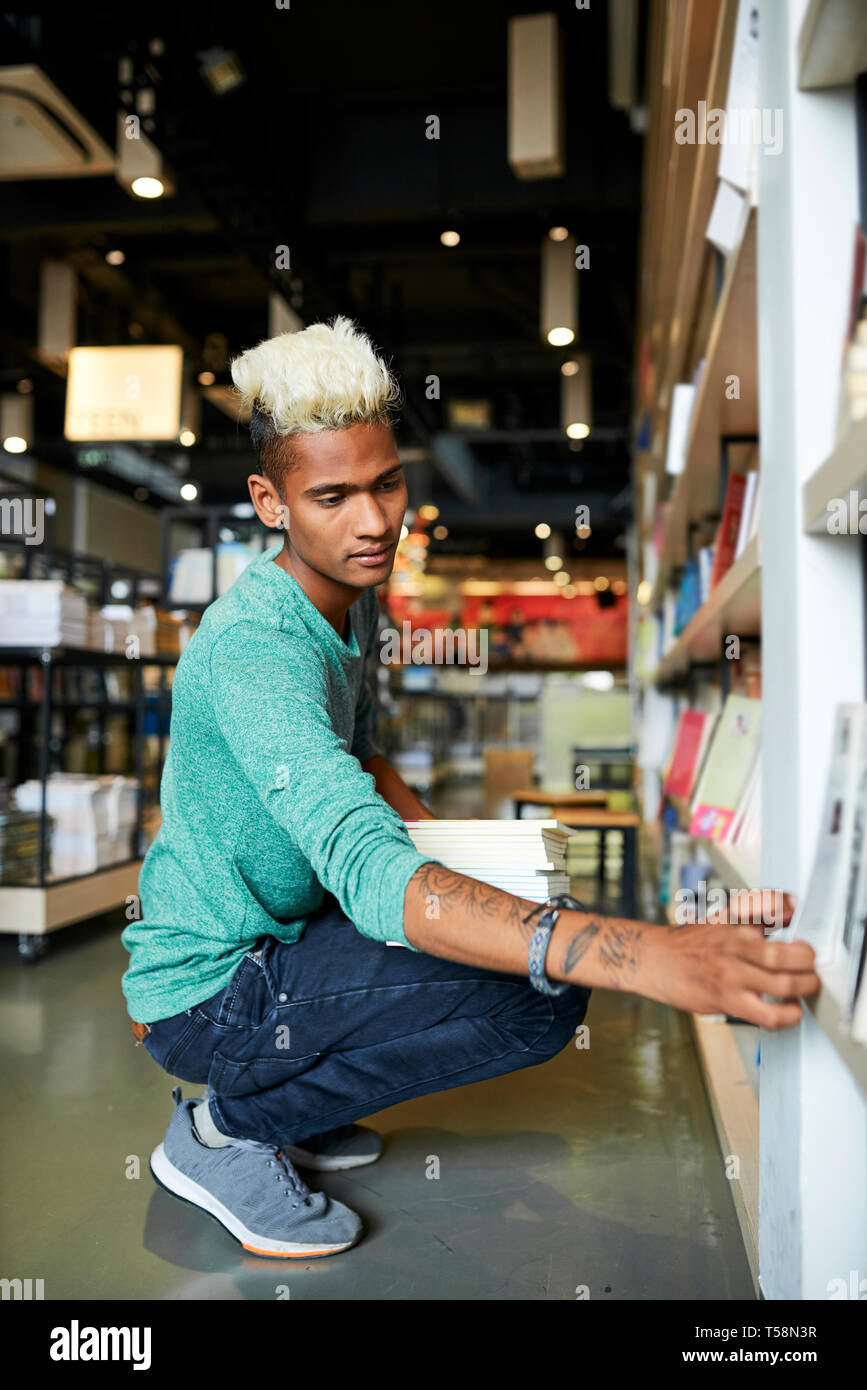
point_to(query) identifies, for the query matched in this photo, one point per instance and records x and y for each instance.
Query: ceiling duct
(42, 136)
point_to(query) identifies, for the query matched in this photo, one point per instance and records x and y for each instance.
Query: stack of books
(524, 857)
(41, 613)
(92, 819)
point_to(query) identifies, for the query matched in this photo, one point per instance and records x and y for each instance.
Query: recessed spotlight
(577, 430)
(570, 368)
(560, 337)
(450, 238)
(600, 583)
(25, 386)
(14, 444)
(115, 257)
(582, 532)
(558, 233)
(553, 562)
(148, 187)
(429, 512)
(187, 438)
(189, 492)
(206, 378)
(543, 530)
(561, 577)
(440, 532)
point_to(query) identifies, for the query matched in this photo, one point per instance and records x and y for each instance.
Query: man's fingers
(757, 1010)
(785, 984)
(774, 955)
(761, 907)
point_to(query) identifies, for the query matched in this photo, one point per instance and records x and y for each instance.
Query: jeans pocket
(243, 1077)
(171, 1038)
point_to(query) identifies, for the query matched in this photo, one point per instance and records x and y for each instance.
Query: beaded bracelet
(540, 938)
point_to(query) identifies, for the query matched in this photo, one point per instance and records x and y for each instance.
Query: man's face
(346, 497)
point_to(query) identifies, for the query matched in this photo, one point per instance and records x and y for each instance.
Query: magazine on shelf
(823, 912)
(732, 752)
(694, 730)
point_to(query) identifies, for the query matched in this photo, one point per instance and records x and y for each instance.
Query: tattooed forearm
(477, 900)
(581, 942)
(617, 945)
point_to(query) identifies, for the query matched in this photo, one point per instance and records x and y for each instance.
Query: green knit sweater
(264, 801)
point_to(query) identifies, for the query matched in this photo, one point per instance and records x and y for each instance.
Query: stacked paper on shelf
(527, 858)
(92, 819)
(41, 613)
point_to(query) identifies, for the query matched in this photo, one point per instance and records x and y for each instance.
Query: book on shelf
(682, 402)
(41, 613)
(728, 217)
(694, 731)
(742, 100)
(705, 571)
(729, 528)
(721, 784)
(688, 597)
(745, 828)
(830, 915)
(750, 505)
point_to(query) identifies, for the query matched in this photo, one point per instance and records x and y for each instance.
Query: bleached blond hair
(324, 377)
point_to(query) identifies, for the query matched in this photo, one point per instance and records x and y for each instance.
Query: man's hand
(759, 907)
(726, 969)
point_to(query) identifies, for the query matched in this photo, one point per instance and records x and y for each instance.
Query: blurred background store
(495, 195)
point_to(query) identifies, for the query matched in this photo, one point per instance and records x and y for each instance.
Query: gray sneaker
(334, 1150)
(253, 1190)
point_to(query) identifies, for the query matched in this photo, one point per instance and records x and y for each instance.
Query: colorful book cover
(687, 752)
(727, 536)
(729, 761)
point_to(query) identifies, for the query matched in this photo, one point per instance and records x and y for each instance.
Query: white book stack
(523, 857)
(93, 818)
(41, 613)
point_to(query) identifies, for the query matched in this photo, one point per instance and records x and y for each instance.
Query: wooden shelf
(735, 606)
(37, 911)
(736, 1116)
(739, 866)
(832, 44)
(844, 471)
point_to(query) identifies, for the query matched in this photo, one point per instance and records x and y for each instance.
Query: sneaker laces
(277, 1159)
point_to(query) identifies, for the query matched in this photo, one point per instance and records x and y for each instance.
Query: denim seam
(374, 1103)
(197, 1022)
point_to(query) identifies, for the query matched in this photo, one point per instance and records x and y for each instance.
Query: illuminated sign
(124, 393)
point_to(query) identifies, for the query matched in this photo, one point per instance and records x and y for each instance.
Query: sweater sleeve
(364, 743)
(270, 705)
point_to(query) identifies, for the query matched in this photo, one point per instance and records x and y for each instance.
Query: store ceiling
(322, 148)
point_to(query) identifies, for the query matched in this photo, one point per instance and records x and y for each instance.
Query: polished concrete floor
(598, 1171)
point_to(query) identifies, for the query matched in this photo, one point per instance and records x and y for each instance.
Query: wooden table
(539, 796)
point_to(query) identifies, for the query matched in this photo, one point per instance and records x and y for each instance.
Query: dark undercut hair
(276, 452)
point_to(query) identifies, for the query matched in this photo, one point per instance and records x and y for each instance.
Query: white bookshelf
(779, 325)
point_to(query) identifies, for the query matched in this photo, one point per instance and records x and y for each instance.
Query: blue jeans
(311, 1035)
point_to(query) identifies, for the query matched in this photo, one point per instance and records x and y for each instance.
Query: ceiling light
(189, 492)
(600, 582)
(553, 562)
(543, 530)
(570, 368)
(146, 187)
(450, 238)
(558, 233)
(25, 386)
(562, 577)
(440, 532)
(558, 292)
(429, 512)
(206, 378)
(582, 532)
(187, 438)
(14, 444)
(576, 399)
(115, 257)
